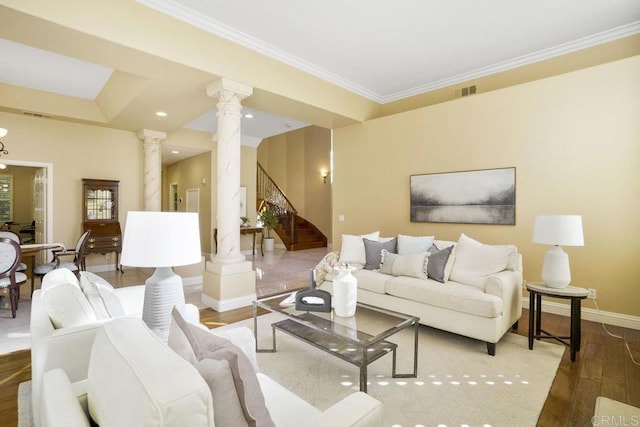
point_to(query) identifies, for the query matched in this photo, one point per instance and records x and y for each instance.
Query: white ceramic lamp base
(555, 270)
(163, 291)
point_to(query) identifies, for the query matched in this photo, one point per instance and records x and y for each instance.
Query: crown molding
(178, 11)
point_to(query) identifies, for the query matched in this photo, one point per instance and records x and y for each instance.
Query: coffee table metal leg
(255, 334)
(363, 371)
(415, 357)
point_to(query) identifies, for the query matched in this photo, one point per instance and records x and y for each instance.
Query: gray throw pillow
(437, 263)
(373, 249)
(208, 346)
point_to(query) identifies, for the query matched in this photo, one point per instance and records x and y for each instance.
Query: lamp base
(163, 291)
(555, 270)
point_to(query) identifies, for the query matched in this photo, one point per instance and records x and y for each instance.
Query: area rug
(458, 383)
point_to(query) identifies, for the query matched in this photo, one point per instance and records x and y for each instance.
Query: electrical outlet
(107, 256)
(592, 294)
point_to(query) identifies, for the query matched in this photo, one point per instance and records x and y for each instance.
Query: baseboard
(229, 304)
(588, 313)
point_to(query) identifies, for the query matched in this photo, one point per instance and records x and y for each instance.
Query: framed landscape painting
(472, 197)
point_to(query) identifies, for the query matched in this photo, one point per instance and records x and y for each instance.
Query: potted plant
(245, 221)
(269, 221)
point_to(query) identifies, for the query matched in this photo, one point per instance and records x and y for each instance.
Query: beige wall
(81, 151)
(191, 173)
(294, 161)
(574, 140)
(77, 151)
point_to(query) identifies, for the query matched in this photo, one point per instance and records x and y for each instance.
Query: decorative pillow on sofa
(475, 261)
(57, 277)
(411, 265)
(437, 264)
(414, 244)
(373, 250)
(443, 244)
(248, 393)
(101, 296)
(352, 248)
(67, 306)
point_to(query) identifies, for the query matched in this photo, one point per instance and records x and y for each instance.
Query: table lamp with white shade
(161, 240)
(557, 230)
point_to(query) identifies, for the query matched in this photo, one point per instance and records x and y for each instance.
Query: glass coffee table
(359, 340)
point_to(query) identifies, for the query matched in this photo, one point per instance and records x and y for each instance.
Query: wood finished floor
(602, 368)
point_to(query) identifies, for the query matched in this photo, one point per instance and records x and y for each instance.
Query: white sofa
(480, 296)
(65, 340)
(135, 379)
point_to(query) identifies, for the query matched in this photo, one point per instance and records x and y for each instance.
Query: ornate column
(229, 281)
(152, 168)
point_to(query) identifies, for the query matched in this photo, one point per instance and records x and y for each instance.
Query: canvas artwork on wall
(472, 197)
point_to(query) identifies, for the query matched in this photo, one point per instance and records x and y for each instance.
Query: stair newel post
(292, 226)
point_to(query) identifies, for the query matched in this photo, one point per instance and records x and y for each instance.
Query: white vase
(345, 293)
(268, 244)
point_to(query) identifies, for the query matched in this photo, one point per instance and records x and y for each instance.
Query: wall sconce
(3, 133)
(324, 174)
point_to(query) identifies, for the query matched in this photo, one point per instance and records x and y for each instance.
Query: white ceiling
(388, 50)
(382, 50)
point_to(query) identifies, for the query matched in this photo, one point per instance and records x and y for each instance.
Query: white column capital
(223, 88)
(148, 135)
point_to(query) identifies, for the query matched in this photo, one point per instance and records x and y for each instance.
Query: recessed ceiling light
(161, 114)
(175, 152)
(288, 125)
(249, 116)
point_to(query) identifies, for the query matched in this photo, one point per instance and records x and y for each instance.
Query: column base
(228, 286)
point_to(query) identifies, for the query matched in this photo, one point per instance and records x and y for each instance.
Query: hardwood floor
(602, 367)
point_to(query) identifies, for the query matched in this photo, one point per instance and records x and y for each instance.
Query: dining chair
(16, 238)
(76, 264)
(10, 255)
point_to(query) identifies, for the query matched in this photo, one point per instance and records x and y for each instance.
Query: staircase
(295, 232)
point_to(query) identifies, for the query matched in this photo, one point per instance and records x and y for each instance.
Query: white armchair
(135, 379)
(69, 348)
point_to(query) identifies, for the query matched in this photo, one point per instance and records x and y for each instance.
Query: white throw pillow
(352, 248)
(411, 265)
(67, 306)
(57, 277)
(475, 261)
(101, 296)
(414, 244)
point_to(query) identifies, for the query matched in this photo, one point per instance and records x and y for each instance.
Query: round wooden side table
(576, 294)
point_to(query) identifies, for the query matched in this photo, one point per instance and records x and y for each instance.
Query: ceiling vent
(34, 114)
(466, 91)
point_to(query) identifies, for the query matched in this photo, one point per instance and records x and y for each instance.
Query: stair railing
(269, 192)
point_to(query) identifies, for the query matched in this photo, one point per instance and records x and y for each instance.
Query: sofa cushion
(67, 306)
(352, 248)
(476, 261)
(154, 385)
(371, 280)
(101, 296)
(437, 263)
(208, 346)
(373, 251)
(452, 296)
(411, 265)
(414, 244)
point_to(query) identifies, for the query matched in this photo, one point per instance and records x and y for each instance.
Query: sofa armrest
(503, 283)
(358, 409)
(60, 405)
(507, 285)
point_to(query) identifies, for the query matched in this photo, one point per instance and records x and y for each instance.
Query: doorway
(42, 197)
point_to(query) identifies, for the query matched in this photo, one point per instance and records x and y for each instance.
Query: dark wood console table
(245, 230)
